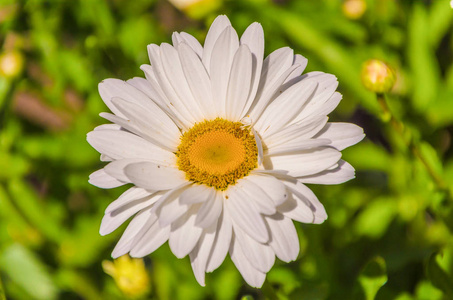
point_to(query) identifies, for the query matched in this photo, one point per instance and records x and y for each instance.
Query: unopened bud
(377, 76)
(11, 64)
(129, 274)
(354, 9)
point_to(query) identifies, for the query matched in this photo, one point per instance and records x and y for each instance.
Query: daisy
(218, 145)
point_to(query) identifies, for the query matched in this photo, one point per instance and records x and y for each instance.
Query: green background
(389, 231)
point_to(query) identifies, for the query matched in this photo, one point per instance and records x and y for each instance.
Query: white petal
(263, 202)
(145, 87)
(329, 105)
(303, 205)
(320, 104)
(285, 107)
(104, 181)
(304, 130)
(171, 209)
(171, 99)
(297, 210)
(105, 158)
(297, 145)
(259, 255)
(304, 163)
(155, 177)
(184, 37)
(275, 65)
(175, 75)
(217, 27)
(154, 123)
(200, 254)
(245, 214)
(115, 218)
(156, 93)
(110, 88)
(284, 240)
(342, 135)
(220, 67)
(253, 37)
(239, 83)
(134, 231)
(152, 239)
(125, 124)
(209, 211)
(196, 193)
(302, 62)
(252, 276)
(107, 127)
(273, 187)
(342, 173)
(221, 243)
(259, 145)
(198, 80)
(120, 144)
(268, 94)
(184, 234)
(116, 168)
(132, 194)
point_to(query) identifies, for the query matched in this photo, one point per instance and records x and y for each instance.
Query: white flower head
(218, 145)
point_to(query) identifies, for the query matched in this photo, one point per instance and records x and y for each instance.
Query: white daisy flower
(218, 145)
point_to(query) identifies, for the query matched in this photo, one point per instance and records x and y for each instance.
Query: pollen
(217, 153)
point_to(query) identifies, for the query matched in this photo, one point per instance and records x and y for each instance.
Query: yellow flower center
(217, 153)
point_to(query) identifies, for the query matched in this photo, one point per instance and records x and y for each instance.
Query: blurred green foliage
(389, 232)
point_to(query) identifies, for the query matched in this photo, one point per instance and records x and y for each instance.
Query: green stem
(399, 127)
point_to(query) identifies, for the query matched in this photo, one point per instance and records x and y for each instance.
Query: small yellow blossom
(11, 64)
(129, 274)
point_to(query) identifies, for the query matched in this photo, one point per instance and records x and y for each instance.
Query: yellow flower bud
(354, 9)
(377, 76)
(11, 64)
(129, 274)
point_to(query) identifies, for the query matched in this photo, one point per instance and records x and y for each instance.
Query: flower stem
(407, 137)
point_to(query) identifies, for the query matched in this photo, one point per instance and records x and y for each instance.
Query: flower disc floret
(217, 153)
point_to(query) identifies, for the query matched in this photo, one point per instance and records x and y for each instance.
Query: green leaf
(425, 290)
(422, 59)
(367, 156)
(33, 209)
(440, 112)
(440, 17)
(374, 220)
(227, 282)
(438, 277)
(77, 70)
(85, 232)
(12, 166)
(27, 271)
(79, 283)
(133, 44)
(373, 277)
